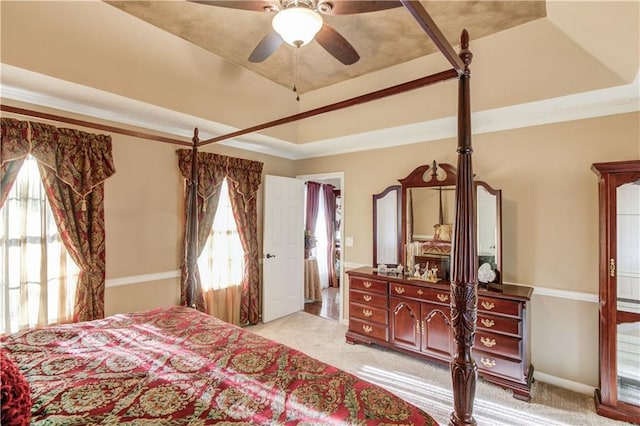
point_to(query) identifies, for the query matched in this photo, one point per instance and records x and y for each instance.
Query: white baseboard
(563, 383)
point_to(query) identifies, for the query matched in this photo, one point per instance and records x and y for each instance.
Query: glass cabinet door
(618, 392)
(626, 270)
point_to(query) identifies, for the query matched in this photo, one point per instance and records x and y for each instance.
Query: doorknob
(269, 255)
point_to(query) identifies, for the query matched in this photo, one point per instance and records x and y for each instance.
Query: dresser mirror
(387, 244)
(428, 213)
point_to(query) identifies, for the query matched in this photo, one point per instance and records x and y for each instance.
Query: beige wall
(143, 214)
(550, 218)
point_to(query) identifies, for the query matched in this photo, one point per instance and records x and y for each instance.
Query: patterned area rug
(428, 385)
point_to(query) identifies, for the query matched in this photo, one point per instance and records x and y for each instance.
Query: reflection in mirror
(628, 292)
(386, 227)
(489, 207)
(429, 207)
(428, 215)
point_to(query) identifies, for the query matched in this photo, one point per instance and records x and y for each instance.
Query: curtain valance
(81, 160)
(245, 175)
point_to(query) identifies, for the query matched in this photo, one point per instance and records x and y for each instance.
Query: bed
(177, 366)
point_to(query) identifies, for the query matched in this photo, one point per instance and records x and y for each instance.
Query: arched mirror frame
(398, 222)
(440, 175)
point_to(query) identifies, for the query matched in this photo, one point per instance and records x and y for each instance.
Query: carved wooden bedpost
(191, 231)
(464, 282)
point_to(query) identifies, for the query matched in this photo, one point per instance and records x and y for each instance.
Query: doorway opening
(323, 283)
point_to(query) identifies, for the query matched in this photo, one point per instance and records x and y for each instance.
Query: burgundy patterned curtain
(330, 219)
(313, 204)
(211, 172)
(74, 165)
(14, 147)
(244, 179)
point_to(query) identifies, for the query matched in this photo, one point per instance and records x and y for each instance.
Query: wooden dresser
(413, 316)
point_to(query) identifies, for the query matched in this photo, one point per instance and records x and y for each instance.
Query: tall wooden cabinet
(618, 395)
(413, 316)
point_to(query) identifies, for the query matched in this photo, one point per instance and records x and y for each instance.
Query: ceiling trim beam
(379, 94)
(429, 26)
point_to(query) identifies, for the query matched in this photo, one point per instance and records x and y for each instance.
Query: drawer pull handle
(399, 289)
(487, 362)
(367, 312)
(367, 328)
(488, 342)
(488, 305)
(443, 297)
(366, 297)
(487, 322)
(367, 284)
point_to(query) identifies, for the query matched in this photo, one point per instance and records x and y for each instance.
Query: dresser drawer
(488, 363)
(371, 329)
(421, 293)
(498, 344)
(499, 306)
(371, 299)
(500, 324)
(368, 313)
(366, 284)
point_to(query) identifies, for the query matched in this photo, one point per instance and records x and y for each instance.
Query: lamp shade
(297, 25)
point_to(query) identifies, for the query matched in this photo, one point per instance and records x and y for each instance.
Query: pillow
(15, 397)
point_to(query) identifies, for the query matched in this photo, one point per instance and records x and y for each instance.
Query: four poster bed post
(464, 283)
(464, 280)
(191, 230)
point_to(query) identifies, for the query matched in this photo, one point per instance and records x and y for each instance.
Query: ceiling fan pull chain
(295, 73)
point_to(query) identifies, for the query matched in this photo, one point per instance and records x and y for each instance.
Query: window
(221, 262)
(38, 277)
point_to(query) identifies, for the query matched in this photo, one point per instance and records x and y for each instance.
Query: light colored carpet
(428, 385)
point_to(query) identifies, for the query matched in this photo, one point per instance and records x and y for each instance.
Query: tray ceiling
(383, 38)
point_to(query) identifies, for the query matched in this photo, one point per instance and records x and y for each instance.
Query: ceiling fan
(298, 22)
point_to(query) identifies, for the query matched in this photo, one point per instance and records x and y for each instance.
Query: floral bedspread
(177, 366)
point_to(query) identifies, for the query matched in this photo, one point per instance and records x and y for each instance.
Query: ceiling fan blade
(337, 45)
(346, 7)
(258, 6)
(266, 47)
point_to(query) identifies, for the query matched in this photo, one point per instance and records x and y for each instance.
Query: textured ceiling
(382, 38)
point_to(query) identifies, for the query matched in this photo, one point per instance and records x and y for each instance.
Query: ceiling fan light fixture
(297, 25)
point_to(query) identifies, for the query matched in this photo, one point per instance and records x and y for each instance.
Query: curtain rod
(92, 125)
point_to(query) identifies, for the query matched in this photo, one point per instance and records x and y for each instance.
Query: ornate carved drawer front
(366, 284)
(371, 299)
(496, 365)
(421, 293)
(498, 344)
(371, 329)
(368, 313)
(500, 324)
(499, 306)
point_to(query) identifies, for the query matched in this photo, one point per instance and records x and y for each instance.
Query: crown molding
(37, 89)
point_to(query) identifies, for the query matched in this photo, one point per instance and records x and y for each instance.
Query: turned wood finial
(465, 54)
(195, 138)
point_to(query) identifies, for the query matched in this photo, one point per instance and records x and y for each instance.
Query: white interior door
(283, 247)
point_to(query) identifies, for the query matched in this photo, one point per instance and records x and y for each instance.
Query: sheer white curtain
(221, 263)
(38, 277)
(321, 246)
